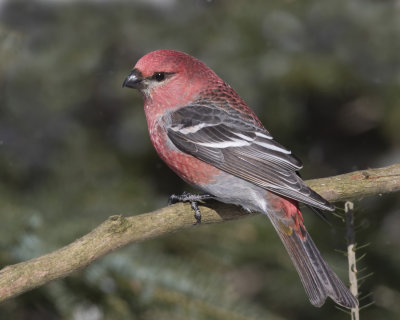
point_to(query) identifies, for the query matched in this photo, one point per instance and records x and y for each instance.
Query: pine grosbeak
(208, 135)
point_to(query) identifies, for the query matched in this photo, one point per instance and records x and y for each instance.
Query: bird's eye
(158, 76)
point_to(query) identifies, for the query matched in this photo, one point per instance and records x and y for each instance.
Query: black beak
(134, 80)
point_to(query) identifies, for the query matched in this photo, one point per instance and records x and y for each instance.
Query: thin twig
(351, 254)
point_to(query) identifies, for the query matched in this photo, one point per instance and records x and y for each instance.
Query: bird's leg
(193, 199)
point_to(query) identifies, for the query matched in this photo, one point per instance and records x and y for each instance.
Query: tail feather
(318, 279)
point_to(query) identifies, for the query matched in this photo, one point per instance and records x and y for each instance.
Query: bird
(207, 134)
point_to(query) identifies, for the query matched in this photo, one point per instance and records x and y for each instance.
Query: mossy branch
(118, 231)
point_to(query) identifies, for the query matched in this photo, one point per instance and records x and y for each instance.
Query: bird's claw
(193, 199)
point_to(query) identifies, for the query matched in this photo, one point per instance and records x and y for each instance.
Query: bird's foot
(193, 199)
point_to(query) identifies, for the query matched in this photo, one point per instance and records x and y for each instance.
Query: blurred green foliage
(74, 149)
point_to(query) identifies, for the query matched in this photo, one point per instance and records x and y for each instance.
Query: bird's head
(173, 76)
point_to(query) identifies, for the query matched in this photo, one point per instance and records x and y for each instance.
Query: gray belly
(233, 190)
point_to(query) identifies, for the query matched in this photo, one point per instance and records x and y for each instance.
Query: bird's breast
(189, 168)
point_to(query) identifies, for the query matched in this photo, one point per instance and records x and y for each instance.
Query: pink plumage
(207, 134)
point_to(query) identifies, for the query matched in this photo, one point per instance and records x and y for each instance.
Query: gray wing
(240, 147)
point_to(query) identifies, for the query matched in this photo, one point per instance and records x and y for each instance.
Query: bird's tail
(318, 279)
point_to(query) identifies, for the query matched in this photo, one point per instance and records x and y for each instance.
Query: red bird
(208, 135)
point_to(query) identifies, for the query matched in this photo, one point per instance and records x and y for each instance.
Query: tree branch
(118, 231)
